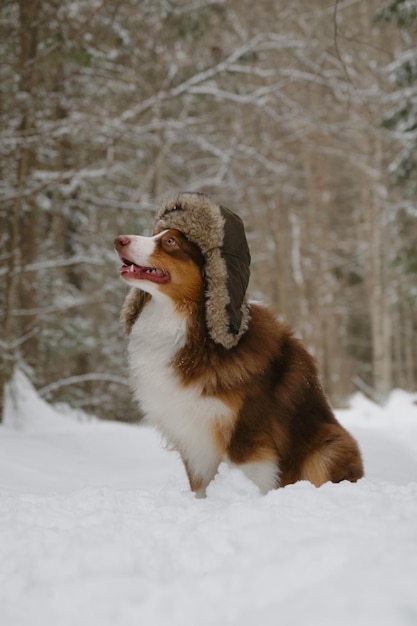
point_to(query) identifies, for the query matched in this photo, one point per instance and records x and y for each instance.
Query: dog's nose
(121, 241)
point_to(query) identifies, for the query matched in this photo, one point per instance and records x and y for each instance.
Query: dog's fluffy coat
(258, 405)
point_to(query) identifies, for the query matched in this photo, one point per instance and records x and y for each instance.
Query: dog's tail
(336, 458)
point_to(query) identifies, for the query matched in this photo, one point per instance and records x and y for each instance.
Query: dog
(257, 404)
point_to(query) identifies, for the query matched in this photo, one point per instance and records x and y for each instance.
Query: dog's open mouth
(131, 270)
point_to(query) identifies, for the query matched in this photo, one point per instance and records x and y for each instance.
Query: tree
(20, 217)
(402, 116)
(400, 119)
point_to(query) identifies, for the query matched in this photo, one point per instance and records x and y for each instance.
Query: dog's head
(167, 265)
(198, 252)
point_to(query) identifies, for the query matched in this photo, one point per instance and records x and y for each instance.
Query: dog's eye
(171, 241)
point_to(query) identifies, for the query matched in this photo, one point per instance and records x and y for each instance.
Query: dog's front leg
(198, 480)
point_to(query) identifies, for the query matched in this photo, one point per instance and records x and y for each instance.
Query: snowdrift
(98, 527)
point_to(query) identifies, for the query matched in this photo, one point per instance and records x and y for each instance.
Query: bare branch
(82, 378)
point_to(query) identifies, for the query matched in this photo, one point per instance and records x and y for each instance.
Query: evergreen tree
(403, 115)
(402, 121)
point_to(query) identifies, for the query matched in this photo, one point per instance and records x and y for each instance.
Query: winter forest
(300, 116)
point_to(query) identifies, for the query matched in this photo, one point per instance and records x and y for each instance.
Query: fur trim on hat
(220, 235)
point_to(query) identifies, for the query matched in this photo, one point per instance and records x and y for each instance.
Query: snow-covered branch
(78, 380)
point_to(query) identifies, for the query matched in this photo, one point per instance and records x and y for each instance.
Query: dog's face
(167, 263)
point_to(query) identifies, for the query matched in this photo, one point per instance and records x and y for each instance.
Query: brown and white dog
(258, 405)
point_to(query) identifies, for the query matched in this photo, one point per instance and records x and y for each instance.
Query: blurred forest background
(301, 116)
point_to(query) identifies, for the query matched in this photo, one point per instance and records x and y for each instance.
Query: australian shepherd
(258, 406)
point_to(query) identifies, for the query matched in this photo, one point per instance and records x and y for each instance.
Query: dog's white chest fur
(182, 414)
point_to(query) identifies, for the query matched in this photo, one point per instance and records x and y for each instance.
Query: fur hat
(220, 235)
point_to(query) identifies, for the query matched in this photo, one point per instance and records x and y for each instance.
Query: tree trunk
(22, 216)
(376, 261)
(26, 205)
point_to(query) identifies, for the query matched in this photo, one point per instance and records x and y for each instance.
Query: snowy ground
(98, 527)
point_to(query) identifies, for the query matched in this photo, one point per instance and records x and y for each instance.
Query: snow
(98, 527)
